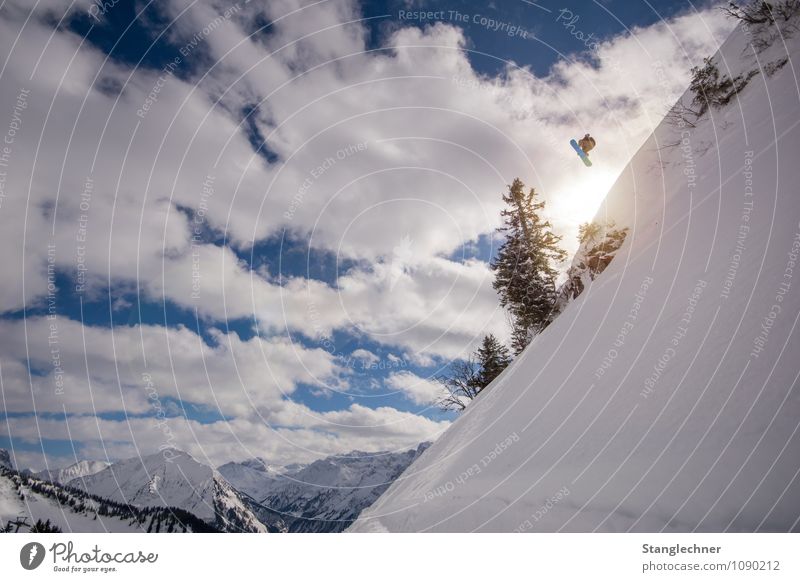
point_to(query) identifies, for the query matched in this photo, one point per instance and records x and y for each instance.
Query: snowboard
(581, 153)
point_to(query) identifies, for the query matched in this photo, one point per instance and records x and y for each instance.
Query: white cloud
(418, 390)
(310, 437)
(365, 356)
(106, 370)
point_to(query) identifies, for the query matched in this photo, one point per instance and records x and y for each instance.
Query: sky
(263, 229)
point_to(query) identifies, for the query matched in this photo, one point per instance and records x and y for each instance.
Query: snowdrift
(663, 398)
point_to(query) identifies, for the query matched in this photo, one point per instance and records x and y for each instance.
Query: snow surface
(35, 506)
(665, 396)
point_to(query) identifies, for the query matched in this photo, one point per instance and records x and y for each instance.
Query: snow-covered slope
(74, 471)
(665, 396)
(172, 478)
(25, 499)
(324, 496)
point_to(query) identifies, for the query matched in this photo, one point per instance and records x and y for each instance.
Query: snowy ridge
(172, 478)
(324, 496)
(664, 396)
(74, 471)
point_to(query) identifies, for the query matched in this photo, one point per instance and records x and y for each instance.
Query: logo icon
(31, 555)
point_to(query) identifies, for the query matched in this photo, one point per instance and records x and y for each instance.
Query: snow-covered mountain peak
(173, 478)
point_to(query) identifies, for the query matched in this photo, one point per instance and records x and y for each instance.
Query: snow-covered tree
(525, 265)
(493, 358)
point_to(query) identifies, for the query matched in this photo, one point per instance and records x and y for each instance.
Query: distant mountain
(172, 478)
(26, 500)
(256, 478)
(324, 496)
(74, 471)
(5, 459)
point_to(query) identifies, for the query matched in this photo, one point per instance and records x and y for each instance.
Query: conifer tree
(493, 358)
(525, 265)
(469, 377)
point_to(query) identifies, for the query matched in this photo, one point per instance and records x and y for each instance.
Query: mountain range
(326, 495)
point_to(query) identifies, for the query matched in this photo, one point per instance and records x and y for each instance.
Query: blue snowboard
(581, 153)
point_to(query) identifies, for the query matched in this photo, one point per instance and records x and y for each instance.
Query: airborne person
(587, 143)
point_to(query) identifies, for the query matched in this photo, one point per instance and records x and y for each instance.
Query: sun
(577, 200)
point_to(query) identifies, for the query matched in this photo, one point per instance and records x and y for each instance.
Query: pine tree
(469, 377)
(525, 273)
(44, 527)
(493, 358)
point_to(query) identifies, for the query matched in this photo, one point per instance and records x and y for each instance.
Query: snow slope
(5, 459)
(172, 478)
(324, 496)
(27, 499)
(665, 396)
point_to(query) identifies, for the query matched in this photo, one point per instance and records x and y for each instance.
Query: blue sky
(381, 273)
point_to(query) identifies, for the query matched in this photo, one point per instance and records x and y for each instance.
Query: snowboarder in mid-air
(583, 147)
(587, 143)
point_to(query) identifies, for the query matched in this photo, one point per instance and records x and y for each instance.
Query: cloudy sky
(261, 228)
